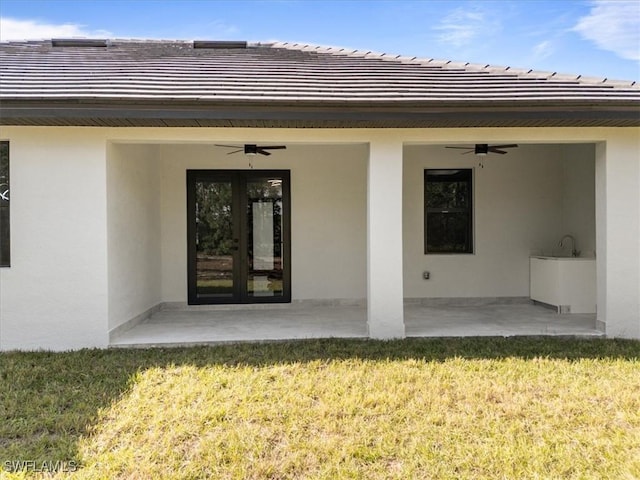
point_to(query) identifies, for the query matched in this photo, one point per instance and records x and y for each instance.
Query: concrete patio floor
(210, 325)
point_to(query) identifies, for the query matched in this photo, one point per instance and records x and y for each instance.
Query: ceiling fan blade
(262, 151)
(228, 146)
(504, 146)
(236, 151)
(463, 148)
(494, 150)
(272, 147)
(465, 153)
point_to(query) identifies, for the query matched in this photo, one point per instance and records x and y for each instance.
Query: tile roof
(132, 82)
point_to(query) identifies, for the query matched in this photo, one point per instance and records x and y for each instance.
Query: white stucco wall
(385, 298)
(328, 217)
(618, 234)
(328, 222)
(133, 226)
(579, 196)
(522, 207)
(54, 295)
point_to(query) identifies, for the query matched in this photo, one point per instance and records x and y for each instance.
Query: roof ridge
(468, 66)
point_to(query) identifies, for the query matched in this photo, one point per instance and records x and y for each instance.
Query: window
(448, 211)
(4, 205)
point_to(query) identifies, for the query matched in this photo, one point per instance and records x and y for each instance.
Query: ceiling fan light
(481, 149)
(250, 149)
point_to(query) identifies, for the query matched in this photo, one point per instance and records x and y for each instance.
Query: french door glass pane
(214, 239)
(264, 237)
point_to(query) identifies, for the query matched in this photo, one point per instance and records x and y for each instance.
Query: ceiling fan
(482, 149)
(253, 149)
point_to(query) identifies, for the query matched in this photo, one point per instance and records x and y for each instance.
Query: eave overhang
(299, 114)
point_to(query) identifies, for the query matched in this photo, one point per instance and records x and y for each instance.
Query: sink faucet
(574, 252)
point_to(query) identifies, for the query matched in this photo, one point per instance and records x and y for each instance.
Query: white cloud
(613, 25)
(14, 29)
(461, 27)
(543, 50)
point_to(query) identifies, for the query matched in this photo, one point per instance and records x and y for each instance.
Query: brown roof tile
(281, 75)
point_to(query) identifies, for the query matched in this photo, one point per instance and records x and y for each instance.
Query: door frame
(238, 179)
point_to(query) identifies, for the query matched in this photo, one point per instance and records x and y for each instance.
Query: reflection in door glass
(264, 246)
(214, 239)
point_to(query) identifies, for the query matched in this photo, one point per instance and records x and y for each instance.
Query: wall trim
(465, 301)
(137, 320)
(311, 302)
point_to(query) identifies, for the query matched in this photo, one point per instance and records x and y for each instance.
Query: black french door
(239, 232)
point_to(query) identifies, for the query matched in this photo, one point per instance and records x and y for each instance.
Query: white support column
(385, 310)
(618, 234)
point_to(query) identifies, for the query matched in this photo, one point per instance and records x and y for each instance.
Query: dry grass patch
(442, 409)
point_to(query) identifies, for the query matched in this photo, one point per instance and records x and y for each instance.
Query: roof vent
(78, 42)
(218, 44)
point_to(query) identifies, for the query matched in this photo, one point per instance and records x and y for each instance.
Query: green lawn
(491, 408)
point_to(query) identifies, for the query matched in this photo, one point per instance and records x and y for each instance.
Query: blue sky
(588, 37)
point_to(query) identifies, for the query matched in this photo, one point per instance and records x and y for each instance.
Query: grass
(491, 408)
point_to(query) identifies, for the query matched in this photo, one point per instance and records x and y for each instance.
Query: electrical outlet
(426, 275)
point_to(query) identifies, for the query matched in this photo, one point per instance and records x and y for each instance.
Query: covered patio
(353, 266)
(194, 325)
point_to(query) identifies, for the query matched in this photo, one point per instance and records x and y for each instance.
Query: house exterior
(136, 180)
